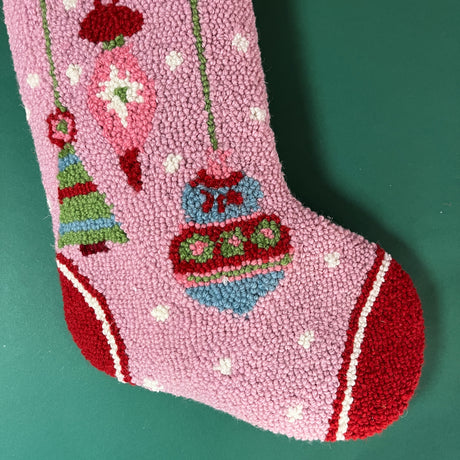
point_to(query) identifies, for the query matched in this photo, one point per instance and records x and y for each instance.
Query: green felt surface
(365, 105)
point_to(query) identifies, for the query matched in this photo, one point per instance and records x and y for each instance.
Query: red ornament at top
(61, 127)
(106, 22)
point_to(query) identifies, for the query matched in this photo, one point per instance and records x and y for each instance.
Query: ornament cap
(217, 163)
(107, 22)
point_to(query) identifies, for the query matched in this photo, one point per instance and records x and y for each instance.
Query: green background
(364, 97)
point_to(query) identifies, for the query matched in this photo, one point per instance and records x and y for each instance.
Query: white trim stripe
(358, 340)
(100, 315)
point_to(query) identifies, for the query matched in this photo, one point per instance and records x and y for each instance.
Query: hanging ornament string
(204, 76)
(52, 71)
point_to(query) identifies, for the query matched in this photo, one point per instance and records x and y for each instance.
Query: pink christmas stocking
(186, 265)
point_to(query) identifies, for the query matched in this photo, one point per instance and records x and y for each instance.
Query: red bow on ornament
(223, 200)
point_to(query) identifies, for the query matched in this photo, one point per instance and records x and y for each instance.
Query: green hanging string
(204, 77)
(46, 31)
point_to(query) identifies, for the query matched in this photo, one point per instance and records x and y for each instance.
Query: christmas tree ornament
(196, 272)
(85, 217)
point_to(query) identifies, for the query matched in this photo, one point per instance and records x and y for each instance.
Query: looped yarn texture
(186, 266)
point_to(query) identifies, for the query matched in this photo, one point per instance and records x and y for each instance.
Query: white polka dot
(33, 80)
(224, 366)
(73, 73)
(172, 163)
(69, 4)
(174, 59)
(258, 114)
(295, 413)
(27, 113)
(240, 43)
(332, 260)
(152, 385)
(160, 313)
(306, 339)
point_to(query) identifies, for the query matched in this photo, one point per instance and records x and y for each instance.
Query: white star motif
(306, 339)
(116, 87)
(224, 366)
(153, 385)
(240, 43)
(174, 59)
(172, 163)
(27, 113)
(160, 313)
(332, 260)
(295, 413)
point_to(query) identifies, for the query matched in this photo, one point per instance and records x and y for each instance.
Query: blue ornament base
(239, 296)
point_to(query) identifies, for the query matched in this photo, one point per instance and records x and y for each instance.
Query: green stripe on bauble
(241, 271)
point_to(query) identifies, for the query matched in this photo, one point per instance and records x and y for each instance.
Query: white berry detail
(172, 163)
(160, 313)
(306, 339)
(240, 43)
(69, 4)
(258, 114)
(224, 366)
(33, 80)
(295, 413)
(73, 73)
(174, 59)
(332, 260)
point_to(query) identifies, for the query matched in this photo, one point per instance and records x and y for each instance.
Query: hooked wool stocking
(186, 265)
